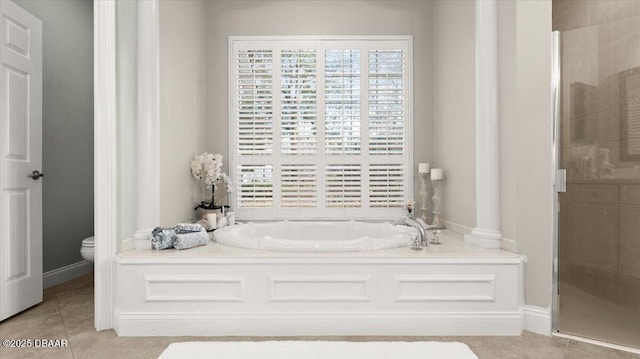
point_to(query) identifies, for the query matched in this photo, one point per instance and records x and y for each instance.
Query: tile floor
(67, 313)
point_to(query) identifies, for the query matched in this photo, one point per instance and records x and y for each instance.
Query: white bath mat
(317, 350)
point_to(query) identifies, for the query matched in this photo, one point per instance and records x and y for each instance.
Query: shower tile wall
(599, 243)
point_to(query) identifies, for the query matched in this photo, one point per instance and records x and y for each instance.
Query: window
(320, 128)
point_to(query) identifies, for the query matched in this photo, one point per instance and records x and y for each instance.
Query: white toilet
(87, 250)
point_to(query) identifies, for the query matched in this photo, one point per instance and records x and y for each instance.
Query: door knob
(35, 175)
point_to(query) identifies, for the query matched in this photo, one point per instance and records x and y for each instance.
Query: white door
(21, 154)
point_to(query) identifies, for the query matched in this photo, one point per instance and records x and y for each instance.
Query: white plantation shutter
(342, 102)
(299, 186)
(343, 186)
(255, 101)
(255, 184)
(298, 99)
(386, 185)
(320, 127)
(386, 102)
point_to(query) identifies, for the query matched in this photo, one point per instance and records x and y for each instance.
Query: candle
(423, 167)
(231, 218)
(437, 174)
(213, 220)
(222, 222)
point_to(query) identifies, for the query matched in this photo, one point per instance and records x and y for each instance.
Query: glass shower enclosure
(597, 139)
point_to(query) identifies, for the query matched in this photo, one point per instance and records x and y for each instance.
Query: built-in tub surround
(218, 290)
(291, 236)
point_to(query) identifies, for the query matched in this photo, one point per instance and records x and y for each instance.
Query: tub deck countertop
(452, 247)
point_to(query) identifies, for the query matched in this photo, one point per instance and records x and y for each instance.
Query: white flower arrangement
(208, 167)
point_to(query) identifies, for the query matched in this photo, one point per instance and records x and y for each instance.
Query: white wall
(454, 106)
(67, 127)
(525, 126)
(182, 106)
(527, 141)
(444, 94)
(507, 106)
(277, 17)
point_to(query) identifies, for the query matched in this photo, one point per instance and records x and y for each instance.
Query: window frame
(276, 159)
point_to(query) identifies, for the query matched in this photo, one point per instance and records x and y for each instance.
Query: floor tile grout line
(64, 324)
(566, 349)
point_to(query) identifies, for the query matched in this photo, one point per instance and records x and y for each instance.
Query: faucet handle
(416, 245)
(435, 240)
(409, 207)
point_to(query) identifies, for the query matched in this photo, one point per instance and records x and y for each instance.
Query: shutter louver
(342, 102)
(386, 102)
(298, 186)
(255, 186)
(298, 98)
(343, 186)
(255, 101)
(386, 185)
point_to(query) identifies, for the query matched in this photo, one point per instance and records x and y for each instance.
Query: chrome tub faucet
(422, 233)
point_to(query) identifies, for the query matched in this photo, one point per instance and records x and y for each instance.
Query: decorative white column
(105, 161)
(148, 120)
(487, 230)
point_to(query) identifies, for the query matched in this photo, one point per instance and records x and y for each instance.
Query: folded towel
(188, 227)
(191, 239)
(163, 238)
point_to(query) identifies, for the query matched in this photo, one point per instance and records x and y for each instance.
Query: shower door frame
(559, 181)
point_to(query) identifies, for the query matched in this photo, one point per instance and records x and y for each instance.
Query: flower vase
(211, 203)
(205, 196)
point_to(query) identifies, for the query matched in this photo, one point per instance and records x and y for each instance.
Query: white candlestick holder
(437, 205)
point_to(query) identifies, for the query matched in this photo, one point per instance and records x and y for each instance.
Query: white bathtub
(315, 236)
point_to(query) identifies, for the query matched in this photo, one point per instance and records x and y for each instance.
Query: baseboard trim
(141, 243)
(506, 243)
(128, 244)
(532, 319)
(458, 228)
(536, 320)
(304, 324)
(509, 245)
(66, 273)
